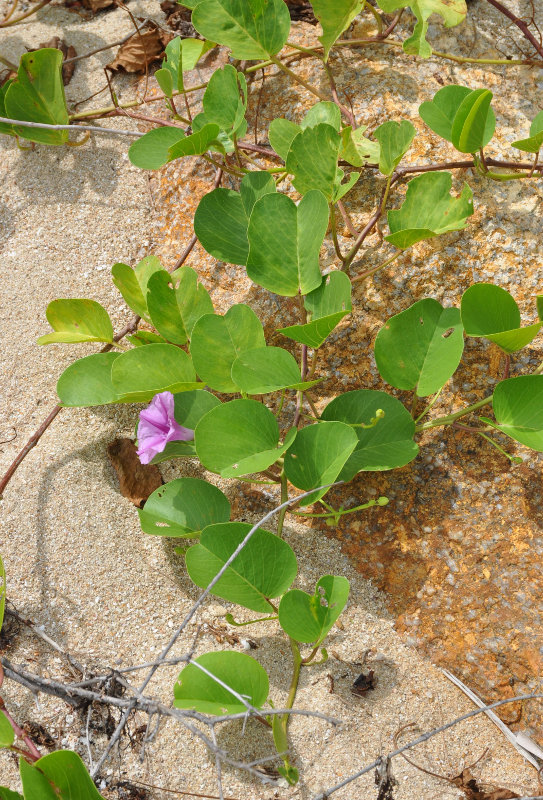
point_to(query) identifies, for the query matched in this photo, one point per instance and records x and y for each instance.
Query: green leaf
(263, 570)
(161, 145)
(225, 98)
(287, 264)
(518, 408)
(308, 618)
(452, 11)
(182, 55)
(318, 455)
(341, 189)
(252, 29)
(282, 133)
(490, 312)
(194, 689)
(327, 305)
(439, 112)
(132, 283)
(38, 96)
(268, 369)
(335, 16)
(471, 121)
(356, 149)
(387, 440)
(139, 374)
(58, 776)
(429, 210)
(175, 311)
(189, 408)
(217, 342)
(539, 305)
(239, 438)
(87, 382)
(144, 337)
(77, 321)
(5, 127)
(326, 112)
(151, 151)
(394, 141)
(7, 794)
(183, 507)
(534, 142)
(312, 159)
(222, 217)
(421, 347)
(7, 734)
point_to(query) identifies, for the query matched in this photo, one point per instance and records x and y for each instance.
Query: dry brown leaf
(97, 5)
(468, 784)
(67, 51)
(136, 480)
(139, 51)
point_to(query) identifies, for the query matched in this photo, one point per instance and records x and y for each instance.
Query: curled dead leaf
(136, 480)
(140, 50)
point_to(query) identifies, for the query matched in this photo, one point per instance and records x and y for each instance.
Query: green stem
(450, 418)
(284, 498)
(387, 191)
(376, 15)
(450, 56)
(500, 449)
(429, 406)
(342, 512)
(369, 272)
(299, 79)
(333, 228)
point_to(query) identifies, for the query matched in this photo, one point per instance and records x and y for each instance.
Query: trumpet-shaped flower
(158, 426)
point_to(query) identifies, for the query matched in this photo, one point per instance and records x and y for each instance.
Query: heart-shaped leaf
(534, 142)
(317, 456)
(249, 581)
(175, 311)
(225, 98)
(312, 159)
(143, 372)
(518, 408)
(194, 689)
(222, 217)
(308, 618)
(217, 342)
(335, 16)
(77, 321)
(250, 28)
(429, 210)
(326, 112)
(421, 347)
(183, 507)
(327, 305)
(356, 149)
(281, 134)
(189, 408)
(490, 312)
(267, 369)
(182, 55)
(452, 11)
(384, 428)
(161, 145)
(57, 776)
(471, 121)
(132, 283)
(439, 112)
(394, 141)
(87, 382)
(287, 264)
(38, 96)
(239, 438)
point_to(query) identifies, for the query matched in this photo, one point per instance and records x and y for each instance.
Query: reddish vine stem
(520, 23)
(33, 752)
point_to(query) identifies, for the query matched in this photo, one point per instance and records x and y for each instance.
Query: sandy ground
(76, 560)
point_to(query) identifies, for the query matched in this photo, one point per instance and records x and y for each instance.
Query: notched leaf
(136, 480)
(68, 51)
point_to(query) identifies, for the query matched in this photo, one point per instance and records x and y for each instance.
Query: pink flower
(158, 426)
